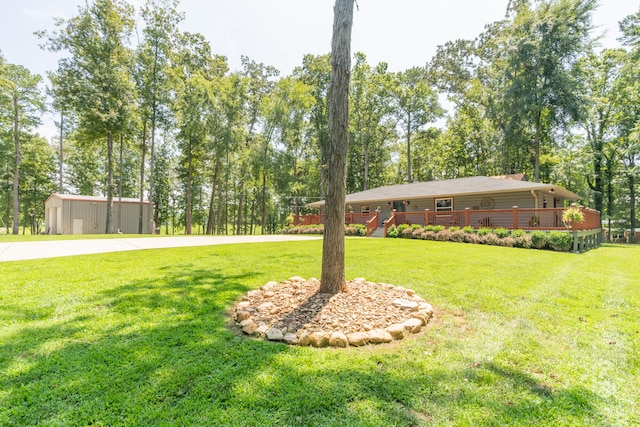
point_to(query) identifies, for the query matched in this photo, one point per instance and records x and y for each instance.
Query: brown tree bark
(333, 278)
(16, 170)
(143, 152)
(109, 223)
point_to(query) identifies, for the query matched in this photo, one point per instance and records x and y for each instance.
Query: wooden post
(515, 217)
(426, 217)
(466, 216)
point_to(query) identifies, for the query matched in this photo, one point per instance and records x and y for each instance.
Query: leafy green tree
(416, 106)
(97, 74)
(600, 75)
(22, 100)
(193, 70)
(152, 61)
(542, 48)
(316, 73)
(37, 180)
(372, 125)
(628, 119)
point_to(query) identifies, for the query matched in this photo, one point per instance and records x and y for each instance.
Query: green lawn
(521, 337)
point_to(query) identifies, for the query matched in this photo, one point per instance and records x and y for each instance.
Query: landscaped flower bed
(349, 230)
(553, 240)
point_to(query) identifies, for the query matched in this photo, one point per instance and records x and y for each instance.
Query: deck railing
(372, 224)
(349, 218)
(516, 218)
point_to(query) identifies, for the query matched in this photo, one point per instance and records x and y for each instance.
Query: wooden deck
(525, 219)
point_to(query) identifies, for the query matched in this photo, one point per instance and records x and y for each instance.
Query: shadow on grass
(158, 352)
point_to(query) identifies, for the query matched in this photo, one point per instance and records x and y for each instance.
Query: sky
(403, 33)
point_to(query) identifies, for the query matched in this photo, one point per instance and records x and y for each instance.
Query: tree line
(219, 151)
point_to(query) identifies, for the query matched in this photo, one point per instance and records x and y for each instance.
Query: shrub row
(349, 230)
(554, 240)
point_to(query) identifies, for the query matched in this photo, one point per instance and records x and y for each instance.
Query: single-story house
(475, 193)
(71, 214)
(508, 201)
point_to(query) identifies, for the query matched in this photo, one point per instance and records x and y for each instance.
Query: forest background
(144, 109)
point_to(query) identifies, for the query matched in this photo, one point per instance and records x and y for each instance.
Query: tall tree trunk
(109, 223)
(120, 167)
(214, 186)
(16, 170)
(365, 185)
(264, 201)
(61, 155)
(409, 174)
(240, 207)
(152, 213)
(188, 211)
(537, 146)
(632, 208)
(143, 152)
(333, 278)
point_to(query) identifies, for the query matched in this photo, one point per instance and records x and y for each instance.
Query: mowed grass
(520, 337)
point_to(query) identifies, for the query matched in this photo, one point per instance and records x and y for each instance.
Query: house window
(444, 205)
(365, 209)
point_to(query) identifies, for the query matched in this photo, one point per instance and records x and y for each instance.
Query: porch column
(515, 217)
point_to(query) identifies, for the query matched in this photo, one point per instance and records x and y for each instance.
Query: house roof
(92, 198)
(453, 187)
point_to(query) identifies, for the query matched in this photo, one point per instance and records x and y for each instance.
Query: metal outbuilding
(72, 214)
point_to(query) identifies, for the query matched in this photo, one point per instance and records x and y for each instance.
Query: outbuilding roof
(93, 198)
(453, 187)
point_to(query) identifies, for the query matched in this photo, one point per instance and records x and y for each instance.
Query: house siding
(501, 201)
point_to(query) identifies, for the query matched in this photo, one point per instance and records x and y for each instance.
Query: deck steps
(378, 232)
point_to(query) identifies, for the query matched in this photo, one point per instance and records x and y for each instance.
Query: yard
(520, 337)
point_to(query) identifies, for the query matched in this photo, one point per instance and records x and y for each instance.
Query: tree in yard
(372, 125)
(416, 106)
(37, 180)
(541, 49)
(600, 72)
(194, 70)
(628, 120)
(333, 279)
(97, 74)
(152, 60)
(21, 97)
(316, 72)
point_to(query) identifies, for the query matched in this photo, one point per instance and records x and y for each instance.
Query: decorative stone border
(293, 312)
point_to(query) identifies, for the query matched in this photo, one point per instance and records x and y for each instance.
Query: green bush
(538, 239)
(523, 241)
(518, 233)
(457, 235)
(559, 241)
(402, 227)
(392, 231)
(484, 231)
(428, 235)
(362, 229)
(434, 228)
(416, 226)
(406, 233)
(454, 228)
(501, 232)
(469, 230)
(491, 239)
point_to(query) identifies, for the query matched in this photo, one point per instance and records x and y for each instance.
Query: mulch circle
(294, 312)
